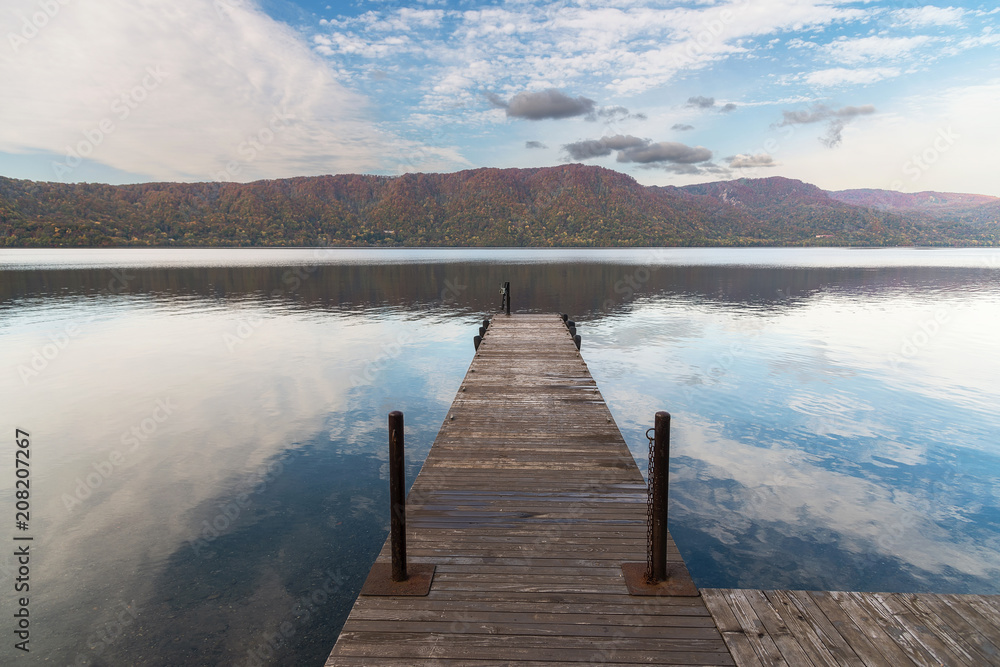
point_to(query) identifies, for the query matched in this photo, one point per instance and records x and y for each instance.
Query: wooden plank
(820, 648)
(933, 634)
(732, 632)
(528, 502)
(813, 628)
(763, 645)
(855, 637)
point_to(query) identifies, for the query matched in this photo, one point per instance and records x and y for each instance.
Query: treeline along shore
(565, 206)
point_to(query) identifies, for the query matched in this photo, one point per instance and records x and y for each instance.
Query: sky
(894, 95)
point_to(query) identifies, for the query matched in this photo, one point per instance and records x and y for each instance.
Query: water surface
(208, 427)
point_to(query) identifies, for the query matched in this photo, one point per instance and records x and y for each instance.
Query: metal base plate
(418, 580)
(678, 581)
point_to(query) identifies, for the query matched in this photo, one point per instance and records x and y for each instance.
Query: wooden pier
(529, 502)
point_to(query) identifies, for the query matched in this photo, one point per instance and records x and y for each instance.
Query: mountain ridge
(565, 205)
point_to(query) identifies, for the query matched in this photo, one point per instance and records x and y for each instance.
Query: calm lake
(207, 428)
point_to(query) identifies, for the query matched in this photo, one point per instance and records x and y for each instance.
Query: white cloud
(928, 15)
(839, 76)
(178, 89)
(627, 49)
(865, 49)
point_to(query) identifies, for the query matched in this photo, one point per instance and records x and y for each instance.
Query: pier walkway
(529, 502)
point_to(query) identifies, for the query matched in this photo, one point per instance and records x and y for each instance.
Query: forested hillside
(570, 205)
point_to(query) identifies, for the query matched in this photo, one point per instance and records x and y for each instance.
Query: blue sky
(892, 95)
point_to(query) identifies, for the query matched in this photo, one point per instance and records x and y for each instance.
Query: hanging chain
(649, 508)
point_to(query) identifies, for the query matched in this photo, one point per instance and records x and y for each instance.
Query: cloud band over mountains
(638, 150)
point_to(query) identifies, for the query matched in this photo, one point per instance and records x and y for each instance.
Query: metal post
(486, 324)
(658, 477)
(565, 317)
(476, 340)
(506, 291)
(397, 496)
(577, 341)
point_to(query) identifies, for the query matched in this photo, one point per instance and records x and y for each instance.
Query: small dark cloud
(681, 127)
(665, 151)
(617, 113)
(547, 104)
(534, 144)
(701, 102)
(726, 108)
(589, 148)
(837, 118)
(742, 161)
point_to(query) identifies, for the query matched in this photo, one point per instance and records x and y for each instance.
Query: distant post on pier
(394, 577)
(505, 298)
(656, 576)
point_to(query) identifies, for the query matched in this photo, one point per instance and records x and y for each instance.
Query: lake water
(207, 427)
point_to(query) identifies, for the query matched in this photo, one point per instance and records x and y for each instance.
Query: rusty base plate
(418, 580)
(678, 581)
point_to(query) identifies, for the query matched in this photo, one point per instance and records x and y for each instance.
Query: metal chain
(649, 508)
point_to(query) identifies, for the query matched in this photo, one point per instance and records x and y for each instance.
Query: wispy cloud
(837, 119)
(235, 93)
(743, 161)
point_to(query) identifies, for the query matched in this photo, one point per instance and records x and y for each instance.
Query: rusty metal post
(394, 577)
(658, 480)
(397, 496)
(656, 576)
